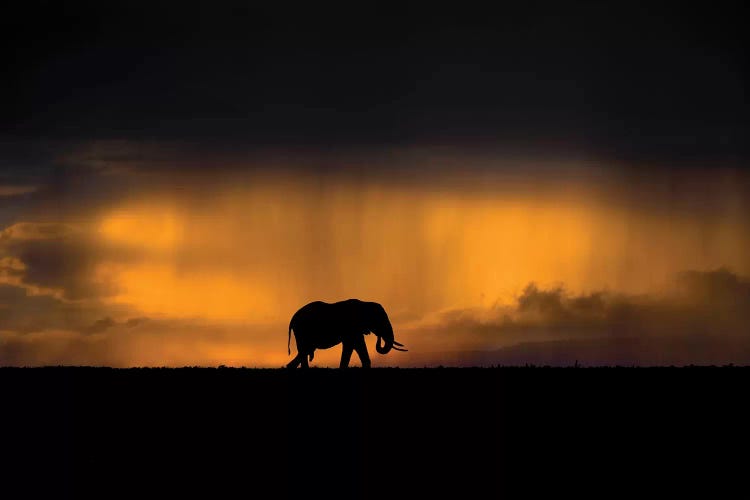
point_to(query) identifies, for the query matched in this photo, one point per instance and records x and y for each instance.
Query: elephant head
(380, 325)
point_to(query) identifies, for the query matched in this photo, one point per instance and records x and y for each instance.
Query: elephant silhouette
(320, 325)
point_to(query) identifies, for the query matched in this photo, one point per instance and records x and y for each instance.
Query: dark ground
(383, 433)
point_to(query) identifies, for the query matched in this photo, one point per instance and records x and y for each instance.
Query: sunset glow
(226, 263)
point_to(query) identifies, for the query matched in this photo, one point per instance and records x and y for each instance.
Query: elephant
(320, 325)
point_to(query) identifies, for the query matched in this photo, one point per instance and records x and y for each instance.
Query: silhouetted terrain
(621, 351)
(382, 433)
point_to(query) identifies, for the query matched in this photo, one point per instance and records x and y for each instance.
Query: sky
(547, 184)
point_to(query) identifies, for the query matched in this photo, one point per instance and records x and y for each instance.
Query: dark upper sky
(644, 83)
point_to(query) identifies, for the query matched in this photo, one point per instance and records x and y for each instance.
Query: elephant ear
(373, 314)
(380, 314)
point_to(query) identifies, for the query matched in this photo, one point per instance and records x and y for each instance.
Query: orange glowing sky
(208, 268)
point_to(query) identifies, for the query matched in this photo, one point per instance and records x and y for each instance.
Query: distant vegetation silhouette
(320, 325)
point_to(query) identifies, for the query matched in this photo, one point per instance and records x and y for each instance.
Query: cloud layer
(483, 258)
(702, 318)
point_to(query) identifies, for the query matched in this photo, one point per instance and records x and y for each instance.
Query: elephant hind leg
(293, 363)
(299, 359)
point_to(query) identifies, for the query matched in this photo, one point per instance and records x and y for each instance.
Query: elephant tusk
(399, 349)
(398, 344)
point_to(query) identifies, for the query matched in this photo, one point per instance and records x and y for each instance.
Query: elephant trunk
(384, 349)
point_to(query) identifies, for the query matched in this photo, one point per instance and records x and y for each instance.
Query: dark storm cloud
(106, 323)
(93, 92)
(57, 187)
(99, 326)
(23, 313)
(133, 322)
(55, 257)
(703, 319)
(721, 291)
(621, 80)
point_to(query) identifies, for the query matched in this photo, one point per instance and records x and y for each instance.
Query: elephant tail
(289, 340)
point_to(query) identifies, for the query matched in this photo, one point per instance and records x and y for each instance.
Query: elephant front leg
(346, 355)
(361, 349)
